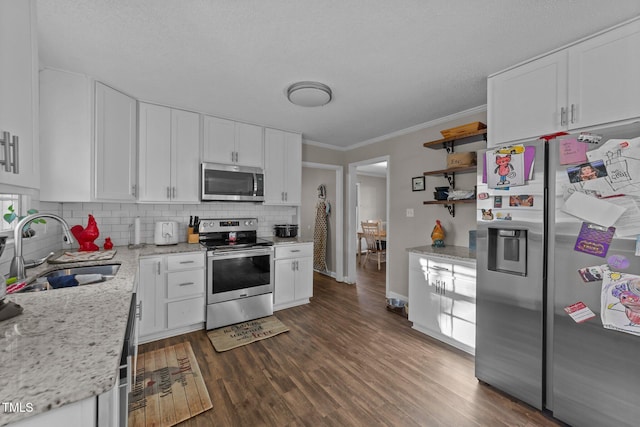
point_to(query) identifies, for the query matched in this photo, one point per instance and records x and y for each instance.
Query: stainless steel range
(239, 271)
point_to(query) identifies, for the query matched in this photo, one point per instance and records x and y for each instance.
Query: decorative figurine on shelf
(108, 244)
(437, 235)
(86, 236)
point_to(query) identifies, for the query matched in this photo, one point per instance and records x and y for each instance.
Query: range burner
(230, 234)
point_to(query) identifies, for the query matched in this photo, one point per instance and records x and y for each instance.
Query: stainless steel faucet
(18, 264)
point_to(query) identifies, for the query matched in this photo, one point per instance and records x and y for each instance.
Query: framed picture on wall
(417, 183)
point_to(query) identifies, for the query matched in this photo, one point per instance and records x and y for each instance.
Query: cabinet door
(19, 89)
(304, 278)
(185, 153)
(65, 132)
(284, 278)
(274, 167)
(155, 153)
(282, 168)
(150, 294)
(219, 140)
(186, 312)
(603, 77)
(293, 168)
(419, 290)
(249, 145)
(527, 101)
(462, 310)
(116, 160)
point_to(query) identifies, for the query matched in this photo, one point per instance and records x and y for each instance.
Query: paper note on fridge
(621, 158)
(593, 210)
(505, 170)
(572, 151)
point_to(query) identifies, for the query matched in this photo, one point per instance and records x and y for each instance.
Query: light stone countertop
(289, 240)
(460, 253)
(67, 343)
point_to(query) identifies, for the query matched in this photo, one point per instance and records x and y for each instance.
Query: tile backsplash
(115, 220)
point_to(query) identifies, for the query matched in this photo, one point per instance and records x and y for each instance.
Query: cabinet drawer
(184, 313)
(185, 283)
(466, 271)
(440, 267)
(294, 251)
(182, 261)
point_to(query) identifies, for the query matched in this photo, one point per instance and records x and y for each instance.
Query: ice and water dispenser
(507, 251)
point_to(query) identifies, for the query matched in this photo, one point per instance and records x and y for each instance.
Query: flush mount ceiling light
(309, 94)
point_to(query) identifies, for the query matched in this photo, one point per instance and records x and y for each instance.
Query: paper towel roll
(136, 231)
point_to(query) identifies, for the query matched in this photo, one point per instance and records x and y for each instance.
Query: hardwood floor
(348, 361)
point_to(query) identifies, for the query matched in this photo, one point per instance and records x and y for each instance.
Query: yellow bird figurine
(437, 235)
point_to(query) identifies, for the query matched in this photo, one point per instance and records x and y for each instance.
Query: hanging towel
(320, 237)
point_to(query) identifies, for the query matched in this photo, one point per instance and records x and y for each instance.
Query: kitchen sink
(75, 276)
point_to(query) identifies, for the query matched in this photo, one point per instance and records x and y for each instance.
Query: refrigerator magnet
(594, 239)
(591, 274)
(619, 262)
(497, 202)
(579, 312)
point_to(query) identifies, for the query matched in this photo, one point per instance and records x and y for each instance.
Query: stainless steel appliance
(239, 271)
(231, 183)
(166, 233)
(128, 361)
(528, 275)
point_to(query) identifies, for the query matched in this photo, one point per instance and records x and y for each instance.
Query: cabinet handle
(573, 113)
(286, 196)
(435, 267)
(295, 250)
(186, 284)
(173, 192)
(563, 116)
(168, 192)
(233, 156)
(16, 159)
(6, 137)
(158, 268)
(293, 266)
(187, 262)
(133, 190)
(297, 265)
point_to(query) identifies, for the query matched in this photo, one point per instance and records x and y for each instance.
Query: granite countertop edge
(460, 253)
(66, 345)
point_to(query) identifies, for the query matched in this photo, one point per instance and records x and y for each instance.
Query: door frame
(352, 228)
(339, 214)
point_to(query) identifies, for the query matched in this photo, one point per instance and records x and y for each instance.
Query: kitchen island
(66, 345)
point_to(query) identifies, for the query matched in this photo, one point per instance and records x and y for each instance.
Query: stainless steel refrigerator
(529, 277)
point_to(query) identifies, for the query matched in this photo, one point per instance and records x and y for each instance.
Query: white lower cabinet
(442, 299)
(293, 277)
(172, 294)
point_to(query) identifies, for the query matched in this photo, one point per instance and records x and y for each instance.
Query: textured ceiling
(392, 64)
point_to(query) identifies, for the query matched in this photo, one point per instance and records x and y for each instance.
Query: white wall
(373, 198)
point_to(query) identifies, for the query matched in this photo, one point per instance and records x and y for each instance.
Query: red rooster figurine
(86, 236)
(437, 235)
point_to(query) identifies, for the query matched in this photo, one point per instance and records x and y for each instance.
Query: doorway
(368, 199)
(332, 176)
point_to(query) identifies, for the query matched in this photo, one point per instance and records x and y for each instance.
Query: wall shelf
(448, 143)
(450, 173)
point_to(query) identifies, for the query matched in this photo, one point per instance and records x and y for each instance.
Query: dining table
(381, 235)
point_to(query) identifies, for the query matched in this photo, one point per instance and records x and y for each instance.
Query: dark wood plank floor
(348, 361)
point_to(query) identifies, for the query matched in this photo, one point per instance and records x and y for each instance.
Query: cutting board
(83, 256)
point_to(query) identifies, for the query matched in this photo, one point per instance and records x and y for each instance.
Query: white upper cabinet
(19, 93)
(604, 83)
(590, 83)
(88, 140)
(116, 150)
(169, 155)
(66, 110)
(526, 101)
(229, 142)
(282, 168)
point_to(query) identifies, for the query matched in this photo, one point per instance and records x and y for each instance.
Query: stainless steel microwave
(232, 183)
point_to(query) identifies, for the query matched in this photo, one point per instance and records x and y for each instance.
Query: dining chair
(371, 232)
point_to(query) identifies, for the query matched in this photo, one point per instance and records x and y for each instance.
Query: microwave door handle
(255, 184)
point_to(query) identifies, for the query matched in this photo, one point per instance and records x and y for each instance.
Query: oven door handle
(240, 253)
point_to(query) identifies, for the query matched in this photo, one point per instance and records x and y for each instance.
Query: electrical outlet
(409, 213)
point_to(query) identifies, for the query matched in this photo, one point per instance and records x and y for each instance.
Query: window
(11, 205)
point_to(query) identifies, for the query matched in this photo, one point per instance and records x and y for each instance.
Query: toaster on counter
(166, 233)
